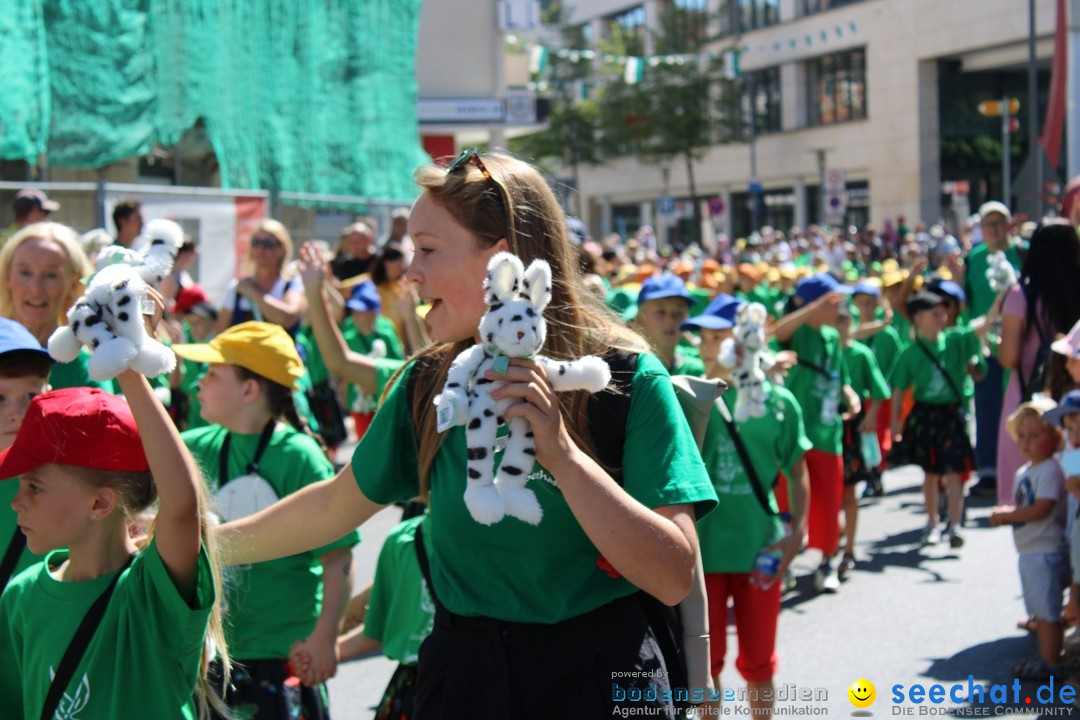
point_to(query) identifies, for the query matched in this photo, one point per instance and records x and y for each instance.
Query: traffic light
(993, 108)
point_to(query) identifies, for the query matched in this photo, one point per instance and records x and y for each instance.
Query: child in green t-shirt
(256, 451)
(662, 306)
(369, 333)
(936, 366)
(88, 462)
(24, 374)
(821, 385)
(859, 430)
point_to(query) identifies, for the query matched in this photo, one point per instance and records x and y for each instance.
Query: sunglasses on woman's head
(264, 242)
(472, 155)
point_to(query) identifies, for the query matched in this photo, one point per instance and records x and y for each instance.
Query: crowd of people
(844, 354)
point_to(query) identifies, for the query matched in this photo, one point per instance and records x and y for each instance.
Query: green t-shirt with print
(9, 524)
(903, 330)
(143, 661)
(887, 346)
(954, 350)
(976, 285)
(512, 570)
(731, 536)
(866, 378)
(817, 381)
(271, 604)
(400, 610)
(362, 343)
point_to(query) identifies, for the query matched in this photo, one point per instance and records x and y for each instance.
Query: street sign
(993, 108)
(665, 205)
(716, 206)
(836, 203)
(835, 179)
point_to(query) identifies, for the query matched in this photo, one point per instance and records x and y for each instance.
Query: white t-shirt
(1036, 482)
(277, 292)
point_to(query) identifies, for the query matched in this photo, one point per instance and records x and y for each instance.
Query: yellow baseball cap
(263, 348)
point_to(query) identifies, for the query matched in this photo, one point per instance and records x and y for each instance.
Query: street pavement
(905, 616)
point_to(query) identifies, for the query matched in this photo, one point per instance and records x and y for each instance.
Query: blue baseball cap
(364, 296)
(865, 287)
(664, 286)
(1069, 405)
(811, 288)
(14, 338)
(949, 289)
(719, 314)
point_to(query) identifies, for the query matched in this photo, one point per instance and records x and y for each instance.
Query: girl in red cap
(100, 627)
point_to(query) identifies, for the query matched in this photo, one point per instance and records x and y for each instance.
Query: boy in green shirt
(663, 305)
(368, 332)
(820, 383)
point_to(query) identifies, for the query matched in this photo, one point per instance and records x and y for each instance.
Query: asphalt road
(906, 616)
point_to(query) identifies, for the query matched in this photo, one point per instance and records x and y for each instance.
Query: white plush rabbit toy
(999, 272)
(108, 318)
(512, 327)
(748, 371)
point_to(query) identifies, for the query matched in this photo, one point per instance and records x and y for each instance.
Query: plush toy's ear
(504, 277)
(537, 284)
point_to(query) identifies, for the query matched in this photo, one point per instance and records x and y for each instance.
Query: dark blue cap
(810, 289)
(864, 287)
(719, 314)
(14, 337)
(364, 296)
(1069, 405)
(949, 289)
(664, 286)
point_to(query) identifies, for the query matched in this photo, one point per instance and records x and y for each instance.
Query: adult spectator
(399, 233)
(128, 218)
(31, 206)
(398, 296)
(40, 271)
(266, 293)
(355, 253)
(994, 220)
(1045, 302)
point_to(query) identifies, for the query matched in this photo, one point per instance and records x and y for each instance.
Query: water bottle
(766, 567)
(871, 450)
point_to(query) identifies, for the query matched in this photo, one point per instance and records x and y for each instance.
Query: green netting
(308, 96)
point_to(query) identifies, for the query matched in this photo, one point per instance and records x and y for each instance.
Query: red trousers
(756, 612)
(826, 498)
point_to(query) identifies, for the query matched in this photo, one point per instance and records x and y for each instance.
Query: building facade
(853, 96)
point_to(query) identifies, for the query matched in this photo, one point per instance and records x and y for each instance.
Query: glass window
(629, 26)
(837, 88)
(760, 100)
(810, 7)
(687, 21)
(739, 16)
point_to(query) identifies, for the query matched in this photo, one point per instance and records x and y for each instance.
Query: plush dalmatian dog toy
(1000, 272)
(513, 327)
(108, 317)
(748, 370)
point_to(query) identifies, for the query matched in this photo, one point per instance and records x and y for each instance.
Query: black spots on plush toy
(75, 328)
(515, 318)
(491, 337)
(562, 369)
(510, 470)
(482, 381)
(500, 322)
(529, 434)
(157, 241)
(515, 288)
(474, 474)
(93, 320)
(531, 313)
(488, 412)
(529, 451)
(121, 286)
(477, 453)
(95, 342)
(123, 317)
(453, 385)
(123, 301)
(475, 424)
(496, 306)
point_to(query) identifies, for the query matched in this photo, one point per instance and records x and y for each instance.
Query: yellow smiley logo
(862, 693)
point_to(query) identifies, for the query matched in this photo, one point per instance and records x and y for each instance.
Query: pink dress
(1009, 458)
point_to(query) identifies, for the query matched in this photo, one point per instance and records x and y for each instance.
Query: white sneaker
(930, 536)
(825, 579)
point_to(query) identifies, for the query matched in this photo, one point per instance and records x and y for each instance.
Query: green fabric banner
(296, 96)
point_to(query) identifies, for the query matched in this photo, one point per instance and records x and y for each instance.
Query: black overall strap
(11, 557)
(79, 642)
(755, 481)
(422, 558)
(942, 370)
(253, 466)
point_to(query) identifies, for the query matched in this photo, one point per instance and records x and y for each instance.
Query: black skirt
(585, 667)
(936, 439)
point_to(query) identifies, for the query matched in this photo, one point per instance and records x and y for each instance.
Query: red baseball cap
(79, 426)
(189, 297)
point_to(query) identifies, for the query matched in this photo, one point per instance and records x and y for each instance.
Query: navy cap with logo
(26, 200)
(664, 286)
(949, 289)
(364, 297)
(816, 286)
(864, 287)
(923, 300)
(719, 314)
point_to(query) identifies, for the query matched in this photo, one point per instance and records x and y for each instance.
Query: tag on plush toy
(501, 364)
(444, 418)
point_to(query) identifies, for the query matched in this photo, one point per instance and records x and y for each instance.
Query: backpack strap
(608, 410)
(744, 457)
(77, 648)
(11, 557)
(941, 369)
